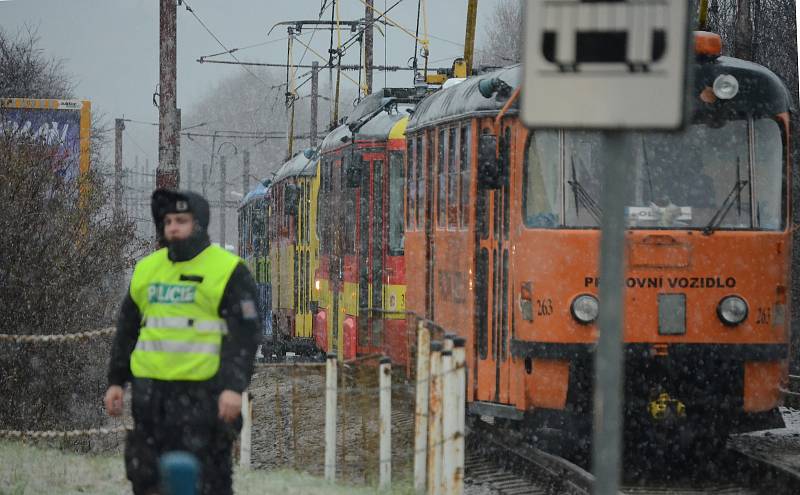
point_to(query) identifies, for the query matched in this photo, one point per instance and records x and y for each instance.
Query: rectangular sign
(614, 64)
(64, 124)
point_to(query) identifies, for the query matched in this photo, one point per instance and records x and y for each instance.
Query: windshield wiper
(726, 205)
(583, 197)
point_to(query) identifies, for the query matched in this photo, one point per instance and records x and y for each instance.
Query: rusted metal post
(435, 420)
(421, 409)
(245, 444)
(167, 175)
(385, 422)
(330, 418)
(368, 46)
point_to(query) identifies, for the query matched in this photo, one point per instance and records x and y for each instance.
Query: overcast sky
(111, 46)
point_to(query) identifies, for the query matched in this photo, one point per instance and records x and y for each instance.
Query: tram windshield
(710, 177)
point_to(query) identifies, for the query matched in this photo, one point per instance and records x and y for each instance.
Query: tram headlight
(732, 310)
(725, 87)
(585, 308)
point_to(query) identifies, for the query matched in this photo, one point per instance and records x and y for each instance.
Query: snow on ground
(27, 470)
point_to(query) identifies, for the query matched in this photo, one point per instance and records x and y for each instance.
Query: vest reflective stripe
(180, 322)
(177, 347)
(181, 333)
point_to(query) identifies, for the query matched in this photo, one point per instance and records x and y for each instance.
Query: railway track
(499, 462)
(792, 395)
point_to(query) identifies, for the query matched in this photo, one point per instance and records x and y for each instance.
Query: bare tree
(62, 260)
(503, 31)
(25, 70)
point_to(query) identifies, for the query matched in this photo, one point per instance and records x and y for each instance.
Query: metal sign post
(615, 65)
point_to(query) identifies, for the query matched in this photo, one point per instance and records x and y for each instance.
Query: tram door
(370, 257)
(492, 284)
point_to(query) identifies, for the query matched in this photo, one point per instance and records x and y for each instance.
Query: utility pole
(368, 42)
(119, 126)
(290, 95)
(222, 208)
(189, 175)
(469, 36)
(204, 183)
(245, 173)
(314, 102)
(167, 173)
(139, 182)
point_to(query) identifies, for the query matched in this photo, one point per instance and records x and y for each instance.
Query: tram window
(441, 195)
(396, 203)
(465, 176)
(411, 186)
(540, 178)
(768, 170)
(349, 221)
(452, 181)
(482, 295)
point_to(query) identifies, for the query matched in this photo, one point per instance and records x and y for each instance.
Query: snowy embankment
(27, 470)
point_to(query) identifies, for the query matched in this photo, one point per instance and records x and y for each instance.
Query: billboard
(64, 124)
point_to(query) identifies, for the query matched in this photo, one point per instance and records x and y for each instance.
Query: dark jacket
(238, 300)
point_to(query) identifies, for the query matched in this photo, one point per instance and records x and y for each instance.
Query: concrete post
(245, 444)
(435, 420)
(421, 409)
(385, 426)
(330, 417)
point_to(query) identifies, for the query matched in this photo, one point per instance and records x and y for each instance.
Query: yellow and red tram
(361, 279)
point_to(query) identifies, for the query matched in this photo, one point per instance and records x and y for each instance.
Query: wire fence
(289, 420)
(288, 414)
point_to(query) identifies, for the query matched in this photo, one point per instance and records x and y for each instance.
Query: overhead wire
(220, 43)
(227, 52)
(323, 59)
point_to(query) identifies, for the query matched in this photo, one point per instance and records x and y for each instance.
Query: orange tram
(447, 208)
(502, 247)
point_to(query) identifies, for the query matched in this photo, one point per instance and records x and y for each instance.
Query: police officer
(186, 338)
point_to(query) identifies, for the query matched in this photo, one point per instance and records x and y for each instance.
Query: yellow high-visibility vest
(181, 331)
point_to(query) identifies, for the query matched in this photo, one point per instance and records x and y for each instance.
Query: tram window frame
(351, 204)
(453, 185)
(422, 142)
(557, 202)
(410, 185)
(441, 181)
(465, 166)
(395, 161)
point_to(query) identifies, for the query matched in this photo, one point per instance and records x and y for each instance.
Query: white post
(435, 421)
(421, 410)
(460, 367)
(449, 419)
(247, 431)
(385, 401)
(330, 418)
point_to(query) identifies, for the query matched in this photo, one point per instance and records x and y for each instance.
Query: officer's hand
(230, 405)
(113, 400)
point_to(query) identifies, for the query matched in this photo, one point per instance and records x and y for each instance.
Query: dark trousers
(172, 416)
